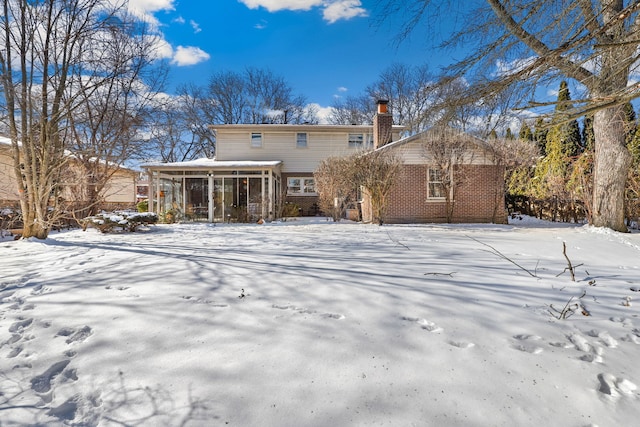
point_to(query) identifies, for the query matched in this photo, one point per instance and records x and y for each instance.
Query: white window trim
(367, 140)
(302, 186)
(362, 142)
(256, 136)
(306, 140)
(431, 198)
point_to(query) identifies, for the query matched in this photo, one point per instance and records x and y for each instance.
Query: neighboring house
(120, 191)
(8, 186)
(259, 169)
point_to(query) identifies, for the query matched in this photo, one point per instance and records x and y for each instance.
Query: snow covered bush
(108, 222)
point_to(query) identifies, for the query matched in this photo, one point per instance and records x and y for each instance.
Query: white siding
(235, 144)
(413, 153)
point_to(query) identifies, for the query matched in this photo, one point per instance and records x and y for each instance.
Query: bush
(143, 206)
(108, 222)
(290, 209)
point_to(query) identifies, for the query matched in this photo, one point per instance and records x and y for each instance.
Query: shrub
(108, 222)
(290, 209)
(143, 206)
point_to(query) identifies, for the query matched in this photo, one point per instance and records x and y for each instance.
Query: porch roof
(213, 164)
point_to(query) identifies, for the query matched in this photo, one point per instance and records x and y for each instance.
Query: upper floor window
(301, 186)
(256, 140)
(435, 186)
(356, 140)
(360, 140)
(369, 140)
(301, 140)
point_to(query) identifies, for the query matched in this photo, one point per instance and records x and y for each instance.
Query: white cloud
(195, 26)
(144, 9)
(162, 48)
(179, 20)
(342, 89)
(333, 10)
(323, 113)
(276, 5)
(343, 9)
(189, 55)
(261, 25)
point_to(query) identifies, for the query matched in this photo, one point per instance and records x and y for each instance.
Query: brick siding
(308, 204)
(479, 199)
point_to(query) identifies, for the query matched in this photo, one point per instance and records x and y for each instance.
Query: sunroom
(215, 191)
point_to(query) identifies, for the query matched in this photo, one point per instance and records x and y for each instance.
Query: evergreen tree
(632, 188)
(525, 132)
(508, 134)
(562, 143)
(540, 135)
(493, 134)
(630, 123)
(634, 149)
(568, 132)
(587, 133)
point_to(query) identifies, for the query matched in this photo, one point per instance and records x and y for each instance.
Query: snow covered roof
(205, 163)
(5, 141)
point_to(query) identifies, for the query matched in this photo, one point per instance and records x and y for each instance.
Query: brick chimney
(382, 123)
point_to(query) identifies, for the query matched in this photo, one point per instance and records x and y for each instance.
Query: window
(256, 140)
(301, 140)
(356, 140)
(301, 186)
(369, 143)
(435, 186)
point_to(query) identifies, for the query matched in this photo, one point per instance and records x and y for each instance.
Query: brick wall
(475, 200)
(382, 127)
(308, 204)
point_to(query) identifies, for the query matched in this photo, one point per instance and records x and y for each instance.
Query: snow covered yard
(321, 324)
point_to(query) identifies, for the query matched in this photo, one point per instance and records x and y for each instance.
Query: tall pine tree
(540, 135)
(525, 132)
(563, 144)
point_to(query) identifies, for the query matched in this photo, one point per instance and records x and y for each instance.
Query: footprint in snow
(424, 323)
(462, 344)
(66, 411)
(593, 352)
(604, 337)
(204, 301)
(75, 335)
(42, 383)
(527, 343)
(13, 339)
(15, 351)
(299, 310)
(615, 387)
(20, 326)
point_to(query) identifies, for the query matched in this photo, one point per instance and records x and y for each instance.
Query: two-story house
(259, 169)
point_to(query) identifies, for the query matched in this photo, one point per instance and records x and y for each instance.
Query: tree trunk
(611, 165)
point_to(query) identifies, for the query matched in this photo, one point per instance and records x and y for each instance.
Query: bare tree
(41, 45)
(104, 128)
(335, 185)
(376, 172)
(533, 43)
(255, 96)
(447, 151)
(410, 91)
(197, 110)
(352, 110)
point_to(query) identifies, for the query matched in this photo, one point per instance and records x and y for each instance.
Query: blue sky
(323, 48)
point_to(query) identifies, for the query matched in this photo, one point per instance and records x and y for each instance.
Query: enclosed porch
(215, 191)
